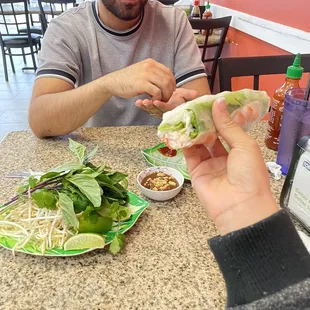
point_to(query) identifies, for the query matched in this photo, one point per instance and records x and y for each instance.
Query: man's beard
(126, 12)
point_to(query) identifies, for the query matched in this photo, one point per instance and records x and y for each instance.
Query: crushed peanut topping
(159, 181)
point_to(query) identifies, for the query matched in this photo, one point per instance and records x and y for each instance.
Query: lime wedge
(84, 241)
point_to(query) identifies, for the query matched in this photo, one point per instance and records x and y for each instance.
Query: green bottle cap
(295, 71)
(208, 5)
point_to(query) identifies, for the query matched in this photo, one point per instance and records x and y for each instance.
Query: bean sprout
(26, 223)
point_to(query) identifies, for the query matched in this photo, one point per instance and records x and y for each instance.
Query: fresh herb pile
(71, 199)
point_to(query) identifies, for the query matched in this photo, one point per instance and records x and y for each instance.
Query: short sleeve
(60, 54)
(187, 62)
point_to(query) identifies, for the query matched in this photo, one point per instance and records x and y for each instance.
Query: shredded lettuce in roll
(191, 123)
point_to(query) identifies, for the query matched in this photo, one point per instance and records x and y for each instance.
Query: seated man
(103, 63)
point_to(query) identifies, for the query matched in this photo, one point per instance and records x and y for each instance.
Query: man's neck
(112, 21)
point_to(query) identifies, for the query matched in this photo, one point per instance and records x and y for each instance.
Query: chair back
(218, 26)
(255, 66)
(13, 17)
(52, 8)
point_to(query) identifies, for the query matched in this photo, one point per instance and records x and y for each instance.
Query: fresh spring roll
(191, 123)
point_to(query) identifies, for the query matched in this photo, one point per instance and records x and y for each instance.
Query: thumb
(187, 94)
(226, 127)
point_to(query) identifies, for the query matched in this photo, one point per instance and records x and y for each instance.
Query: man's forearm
(201, 85)
(60, 113)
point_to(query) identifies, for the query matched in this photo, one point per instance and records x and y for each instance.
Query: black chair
(255, 66)
(35, 25)
(212, 25)
(52, 8)
(13, 17)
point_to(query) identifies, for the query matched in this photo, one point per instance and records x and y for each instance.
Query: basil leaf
(104, 169)
(67, 210)
(117, 177)
(88, 186)
(122, 202)
(80, 203)
(77, 149)
(104, 202)
(44, 199)
(117, 243)
(90, 155)
(49, 175)
(90, 172)
(69, 167)
(112, 192)
(104, 179)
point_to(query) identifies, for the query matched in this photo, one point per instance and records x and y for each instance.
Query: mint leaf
(88, 186)
(67, 210)
(90, 155)
(21, 189)
(32, 181)
(77, 149)
(117, 243)
(118, 213)
(124, 213)
(44, 199)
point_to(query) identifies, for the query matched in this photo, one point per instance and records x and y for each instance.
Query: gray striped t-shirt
(79, 48)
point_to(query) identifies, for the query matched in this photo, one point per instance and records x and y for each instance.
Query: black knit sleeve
(262, 259)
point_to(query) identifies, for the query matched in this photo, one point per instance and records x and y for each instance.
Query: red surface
(291, 13)
(294, 13)
(243, 45)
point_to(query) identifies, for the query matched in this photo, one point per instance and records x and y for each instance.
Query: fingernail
(221, 103)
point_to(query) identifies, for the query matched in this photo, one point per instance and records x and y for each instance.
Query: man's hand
(157, 107)
(145, 77)
(233, 187)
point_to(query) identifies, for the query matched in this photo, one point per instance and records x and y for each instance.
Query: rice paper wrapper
(191, 123)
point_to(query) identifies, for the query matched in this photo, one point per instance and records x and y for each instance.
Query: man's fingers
(226, 127)
(163, 106)
(148, 107)
(186, 94)
(164, 68)
(153, 91)
(179, 96)
(163, 81)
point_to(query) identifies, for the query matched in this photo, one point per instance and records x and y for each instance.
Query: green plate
(155, 158)
(137, 206)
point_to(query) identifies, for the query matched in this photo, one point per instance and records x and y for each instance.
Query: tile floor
(15, 97)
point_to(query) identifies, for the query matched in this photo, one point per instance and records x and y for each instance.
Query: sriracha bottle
(293, 76)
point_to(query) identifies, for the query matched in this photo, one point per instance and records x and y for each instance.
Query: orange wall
(242, 44)
(294, 13)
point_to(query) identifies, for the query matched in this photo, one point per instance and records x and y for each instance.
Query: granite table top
(166, 263)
